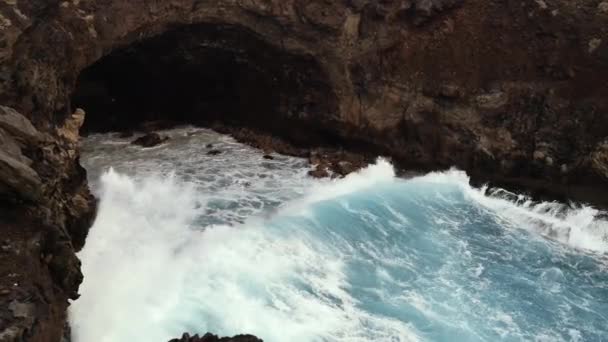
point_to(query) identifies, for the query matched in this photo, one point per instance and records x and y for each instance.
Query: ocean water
(236, 243)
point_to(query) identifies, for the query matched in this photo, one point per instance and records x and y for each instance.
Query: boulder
(150, 140)
(320, 171)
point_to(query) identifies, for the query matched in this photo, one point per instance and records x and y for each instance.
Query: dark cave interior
(201, 74)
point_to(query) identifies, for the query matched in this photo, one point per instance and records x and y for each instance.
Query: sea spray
(152, 272)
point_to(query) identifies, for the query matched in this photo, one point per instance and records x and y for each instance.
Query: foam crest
(382, 172)
(580, 226)
(137, 237)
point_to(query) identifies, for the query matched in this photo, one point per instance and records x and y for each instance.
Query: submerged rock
(150, 140)
(214, 152)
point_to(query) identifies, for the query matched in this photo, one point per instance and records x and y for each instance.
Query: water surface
(236, 243)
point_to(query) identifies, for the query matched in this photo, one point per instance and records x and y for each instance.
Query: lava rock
(214, 152)
(344, 167)
(319, 172)
(150, 140)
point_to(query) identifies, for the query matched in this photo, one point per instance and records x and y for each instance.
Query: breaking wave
(370, 257)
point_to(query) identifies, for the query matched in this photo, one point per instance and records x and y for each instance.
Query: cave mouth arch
(202, 74)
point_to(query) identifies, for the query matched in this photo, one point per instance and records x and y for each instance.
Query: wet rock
(268, 157)
(345, 167)
(150, 140)
(338, 162)
(214, 152)
(320, 171)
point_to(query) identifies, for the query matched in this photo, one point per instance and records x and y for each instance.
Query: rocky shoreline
(513, 92)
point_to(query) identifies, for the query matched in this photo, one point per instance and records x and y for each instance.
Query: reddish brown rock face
(514, 92)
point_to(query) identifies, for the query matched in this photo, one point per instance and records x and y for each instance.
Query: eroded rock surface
(45, 212)
(512, 91)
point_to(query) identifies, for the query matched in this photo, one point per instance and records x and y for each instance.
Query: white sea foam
(579, 226)
(382, 172)
(152, 273)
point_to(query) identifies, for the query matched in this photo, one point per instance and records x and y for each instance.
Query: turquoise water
(425, 254)
(239, 244)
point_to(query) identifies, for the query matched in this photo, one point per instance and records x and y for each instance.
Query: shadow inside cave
(206, 73)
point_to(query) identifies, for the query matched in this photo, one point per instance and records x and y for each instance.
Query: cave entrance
(201, 74)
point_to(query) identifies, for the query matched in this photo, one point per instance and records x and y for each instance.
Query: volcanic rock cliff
(513, 91)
